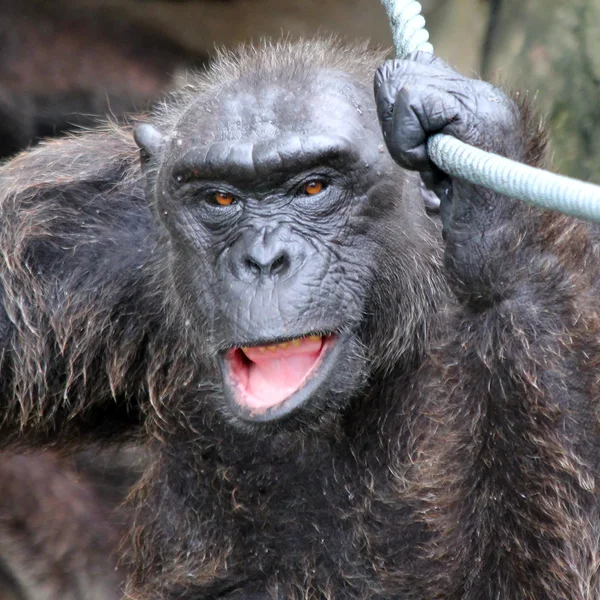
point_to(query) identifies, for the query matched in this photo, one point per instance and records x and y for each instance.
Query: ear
(149, 140)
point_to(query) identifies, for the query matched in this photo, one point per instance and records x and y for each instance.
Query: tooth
(295, 342)
(314, 338)
(245, 349)
(261, 349)
(283, 345)
(272, 348)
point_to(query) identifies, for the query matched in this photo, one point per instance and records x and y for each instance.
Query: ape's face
(270, 196)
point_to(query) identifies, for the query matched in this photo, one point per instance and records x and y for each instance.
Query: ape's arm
(512, 496)
(78, 247)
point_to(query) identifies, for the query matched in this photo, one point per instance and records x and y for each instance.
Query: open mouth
(274, 379)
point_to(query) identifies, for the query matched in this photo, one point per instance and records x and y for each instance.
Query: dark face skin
(270, 219)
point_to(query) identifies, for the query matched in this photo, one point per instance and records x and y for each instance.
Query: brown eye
(314, 187)
(223, 198)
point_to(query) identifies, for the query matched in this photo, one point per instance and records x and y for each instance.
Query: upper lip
(255, 343)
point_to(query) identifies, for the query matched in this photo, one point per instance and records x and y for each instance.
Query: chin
(291, 381)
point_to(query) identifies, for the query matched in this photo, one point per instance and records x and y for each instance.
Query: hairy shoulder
(79, 263)
(75, 205)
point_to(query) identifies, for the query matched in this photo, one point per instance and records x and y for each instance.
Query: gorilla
(344, 395)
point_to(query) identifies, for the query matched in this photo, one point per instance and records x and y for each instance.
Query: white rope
(507, 177)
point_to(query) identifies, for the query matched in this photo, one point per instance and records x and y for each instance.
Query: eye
(222, 198)
(313, 187)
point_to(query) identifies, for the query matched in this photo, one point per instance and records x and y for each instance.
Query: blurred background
(64, 62)
(69, 63)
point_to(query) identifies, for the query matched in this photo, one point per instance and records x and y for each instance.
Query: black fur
(455, 451)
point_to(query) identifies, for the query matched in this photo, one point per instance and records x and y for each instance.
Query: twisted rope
(507, 177)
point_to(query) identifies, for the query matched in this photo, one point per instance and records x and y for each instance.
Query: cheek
(192, 244)
(183, 228)
(356, 276)
(192, 265)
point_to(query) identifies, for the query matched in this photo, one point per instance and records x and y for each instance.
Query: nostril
(279, 265)
(253, 266)
(266, 268)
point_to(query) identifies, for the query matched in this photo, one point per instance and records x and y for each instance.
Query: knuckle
(391, 70)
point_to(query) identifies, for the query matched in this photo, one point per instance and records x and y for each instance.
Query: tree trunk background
(552, 49)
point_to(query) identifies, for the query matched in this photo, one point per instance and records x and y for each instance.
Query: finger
(419, 111)
(405, 137)
(396, 74)
(420, 65)
(387, 80)
(386, 73)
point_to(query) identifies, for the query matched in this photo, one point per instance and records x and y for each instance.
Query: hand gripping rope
(534, 186)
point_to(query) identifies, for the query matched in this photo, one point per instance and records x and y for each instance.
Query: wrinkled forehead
(322, 103)
(272, 129)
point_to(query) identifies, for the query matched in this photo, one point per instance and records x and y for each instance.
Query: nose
(270, 262)
(266, 254)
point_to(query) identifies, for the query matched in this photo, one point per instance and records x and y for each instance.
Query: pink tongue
(274, 375)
